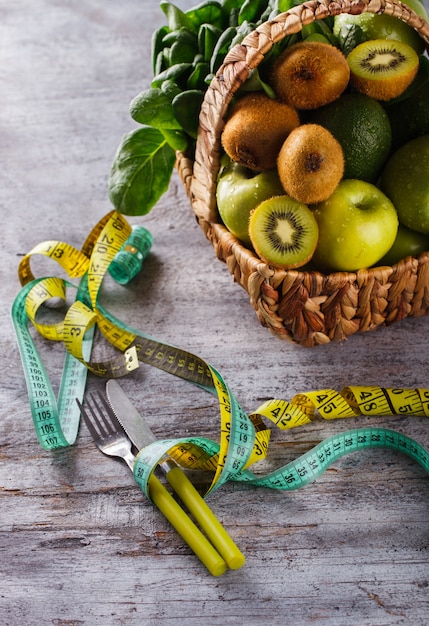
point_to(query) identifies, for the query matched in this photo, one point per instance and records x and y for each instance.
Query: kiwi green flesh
(283, 232)
(382, 68)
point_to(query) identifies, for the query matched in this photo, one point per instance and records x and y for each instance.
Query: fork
(110, 438)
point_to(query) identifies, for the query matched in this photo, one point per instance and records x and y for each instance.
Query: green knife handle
(186, 528)
(204, 516)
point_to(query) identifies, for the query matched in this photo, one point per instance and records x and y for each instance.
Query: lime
(405, 180)
(361, 125)
(409, 118)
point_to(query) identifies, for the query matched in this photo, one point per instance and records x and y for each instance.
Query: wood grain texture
(78, 542)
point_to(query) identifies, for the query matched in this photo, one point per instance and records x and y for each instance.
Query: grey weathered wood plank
(78, 542)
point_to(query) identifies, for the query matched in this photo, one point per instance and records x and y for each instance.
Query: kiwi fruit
(256, 129)
(310, 163)
(283, 232)
(382, 68)
(309, 74)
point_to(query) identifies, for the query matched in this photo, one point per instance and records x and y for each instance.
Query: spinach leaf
(231, 5)
(177, 73)
(349, 37)
(221, 48)
(183, 46)
(251, 10)
(157, 46)
(209, 12)
(208, 35)
(275, 7)
(176, 18)
(186, 106)
(197, 80)
(141, 171)
(153, 108)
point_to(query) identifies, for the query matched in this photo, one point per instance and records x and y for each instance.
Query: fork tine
(88, 422)
(100, 420)
(91, 420)
(112, 422)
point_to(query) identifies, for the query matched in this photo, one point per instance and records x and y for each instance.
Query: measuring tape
(113, 246)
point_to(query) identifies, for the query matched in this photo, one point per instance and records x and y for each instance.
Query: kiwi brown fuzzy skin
(310, 74)
(310, 164)
(382, 80)
(256, 129)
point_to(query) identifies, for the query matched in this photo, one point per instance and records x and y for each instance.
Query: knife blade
(141, 435)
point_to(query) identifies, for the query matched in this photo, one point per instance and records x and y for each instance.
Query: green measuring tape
(113, 246)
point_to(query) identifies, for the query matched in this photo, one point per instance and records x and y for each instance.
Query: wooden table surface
(79, 542)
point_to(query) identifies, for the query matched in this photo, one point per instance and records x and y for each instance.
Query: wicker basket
(307, 308)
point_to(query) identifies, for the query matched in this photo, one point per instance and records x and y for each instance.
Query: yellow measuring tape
(244, 438)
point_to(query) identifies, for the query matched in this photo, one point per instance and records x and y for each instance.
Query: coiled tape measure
(113, 246)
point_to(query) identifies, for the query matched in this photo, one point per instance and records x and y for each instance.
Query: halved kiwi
(382, 68)
(283, 232)
(310, 163)
(255, 130)
(309, 74)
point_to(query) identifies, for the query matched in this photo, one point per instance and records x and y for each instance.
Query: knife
(141, 435)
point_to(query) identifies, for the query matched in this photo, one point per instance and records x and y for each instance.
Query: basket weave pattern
(307, 308)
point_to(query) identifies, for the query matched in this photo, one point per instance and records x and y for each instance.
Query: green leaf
(208, 35)
(183, 35)
(251, 10)
(175, 73)
(182, 52)
(159, 65)
(321, 30)
(244, 29)
(285, 5)
(349, 37)
(255, 83)
(197, 79)
(176, 139)
(170, 88)
(275, 7)
(186, 108)
(153, 107)
(176, 18)
(231, 10)
(232, 5)
(141, 171)
(157, 46)
(209, 12)
(221, 48)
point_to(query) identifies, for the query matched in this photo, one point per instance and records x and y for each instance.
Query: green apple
(357, 226)
(382, 26)
(239, 191)
(405, 179)
(407, 243)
